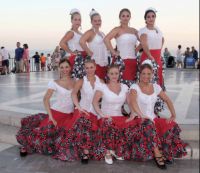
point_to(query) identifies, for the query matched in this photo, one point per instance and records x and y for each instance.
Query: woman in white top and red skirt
(92, 43)
(88, 135)
(70, 43)
(143, 97)
(39, 132)
(126, 39)
(152, 41)
(123, 137)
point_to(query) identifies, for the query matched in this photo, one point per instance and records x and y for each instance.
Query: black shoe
(85, 158)
(160, 162)
(23, 152)
(168, 162)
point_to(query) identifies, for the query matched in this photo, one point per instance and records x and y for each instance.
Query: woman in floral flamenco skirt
(38, 133)
(70, 44)
(143, 97)
(126, 38)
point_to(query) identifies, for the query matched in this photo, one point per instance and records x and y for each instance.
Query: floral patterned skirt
(132, 140)
(84, 134)
(38, 134)
(169, 134)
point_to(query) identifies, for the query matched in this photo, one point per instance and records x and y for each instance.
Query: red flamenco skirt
(130, 69)
(157, 56)
(169, 135)
(101, 71)
(38, 134)
(88, 135)
(130, 140)
(72, 58)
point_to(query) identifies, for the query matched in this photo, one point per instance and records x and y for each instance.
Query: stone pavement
(11, 162)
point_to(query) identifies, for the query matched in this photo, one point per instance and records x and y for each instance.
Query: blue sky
(42, 23)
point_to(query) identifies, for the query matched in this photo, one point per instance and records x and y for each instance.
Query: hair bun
(74, 10)
(151, 9)
(92, 12)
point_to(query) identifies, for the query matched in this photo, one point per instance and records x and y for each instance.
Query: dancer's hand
(151, 58)
(115, 53)
(132, 116)
(82, 110)
(53, 121)
(172, 118)
(90, 54)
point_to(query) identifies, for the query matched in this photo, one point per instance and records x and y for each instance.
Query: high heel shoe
(23, 152)
(116, 157)
(160, 162)
(109, 161)
(85, 158)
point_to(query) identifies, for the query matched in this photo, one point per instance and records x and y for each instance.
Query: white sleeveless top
(111, 102)
(154, 37)
(63, 101)
(73, 44)
(126, 45)
(87, 94)
(146, 102)
(100, 52)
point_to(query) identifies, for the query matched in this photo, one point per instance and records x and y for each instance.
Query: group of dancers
(87, 120)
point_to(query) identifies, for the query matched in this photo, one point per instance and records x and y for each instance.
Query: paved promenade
(22, 94)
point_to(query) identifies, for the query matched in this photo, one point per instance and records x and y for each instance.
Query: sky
(42, 23)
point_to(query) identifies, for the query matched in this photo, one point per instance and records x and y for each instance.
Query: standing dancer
(152, 41)
(70, 43)
(92, 43)
(126, 38)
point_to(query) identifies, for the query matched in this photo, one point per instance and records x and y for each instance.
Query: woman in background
(92, 43)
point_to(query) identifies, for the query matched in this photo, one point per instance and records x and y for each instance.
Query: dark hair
(179, 46)
(42, 54)
(73, 14)
(36, 53)
(65, 59)
(2, 47)
(148, 11)
(143, 66)
(25, 46)
(89, 60)
(95, 14)
(124, 9)
(112, 66)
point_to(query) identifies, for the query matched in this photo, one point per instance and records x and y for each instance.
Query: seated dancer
(86, 126)
(39, 132)
(143, 97)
